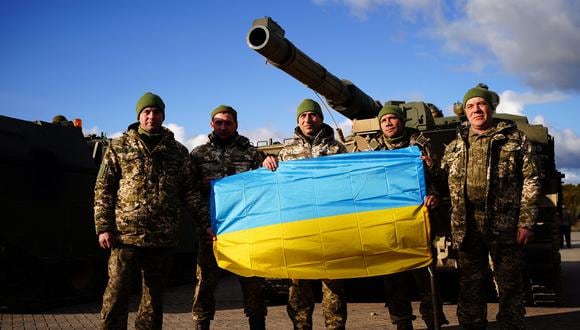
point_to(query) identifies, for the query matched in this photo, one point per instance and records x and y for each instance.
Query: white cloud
(178, 131)
(346, 127)
(265, 134)
(181, 136)
(567, 145)
(567, 150)
(195, 141)
(360, 8)
(566, 142)
(571, 175)
(537, 41)
(93, 130)
(115, 135)
(514, 102)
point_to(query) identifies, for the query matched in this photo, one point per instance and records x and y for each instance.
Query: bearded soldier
(226, 153)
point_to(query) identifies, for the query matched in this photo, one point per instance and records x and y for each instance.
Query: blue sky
(94, 59)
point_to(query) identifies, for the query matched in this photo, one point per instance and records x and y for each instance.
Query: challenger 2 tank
(543, 258)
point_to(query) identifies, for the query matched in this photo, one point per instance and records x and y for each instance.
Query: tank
(543, 258)
(49, 253)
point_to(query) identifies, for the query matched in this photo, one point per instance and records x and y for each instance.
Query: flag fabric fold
(340, 216)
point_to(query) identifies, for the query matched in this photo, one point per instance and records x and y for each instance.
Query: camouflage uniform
(397, 291)
(138, 194)
(219, 159)
(300, 295)
(494, 185)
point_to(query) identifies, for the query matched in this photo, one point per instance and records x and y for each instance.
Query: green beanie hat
(58, 119)
(479, 92)
(224, 108)
(309, 105)
(391, 109)
(149, 100)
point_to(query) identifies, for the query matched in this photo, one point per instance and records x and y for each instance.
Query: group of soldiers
(146, 175)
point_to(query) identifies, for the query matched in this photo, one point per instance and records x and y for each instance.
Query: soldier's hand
(525, 236)
(270, 163)
(431, 201)
(428, 161)
(210, 234)
(206, 181)
(106, 240)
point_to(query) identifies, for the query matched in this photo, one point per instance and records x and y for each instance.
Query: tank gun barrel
(267, 38)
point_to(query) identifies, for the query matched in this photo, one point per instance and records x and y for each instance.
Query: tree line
(571, 196)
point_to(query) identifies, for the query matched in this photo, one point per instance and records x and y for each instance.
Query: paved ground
(361, 315)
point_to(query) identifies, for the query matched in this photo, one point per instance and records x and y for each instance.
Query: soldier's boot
(431, 326)
(430, 322)
(404, 325)
(257, 322)
(201, 324)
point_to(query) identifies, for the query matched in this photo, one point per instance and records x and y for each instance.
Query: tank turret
(267, 38)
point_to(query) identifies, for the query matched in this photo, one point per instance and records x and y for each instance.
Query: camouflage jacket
(512, 187)
(322, 144)
(138, 193)
(217, 159)
(413, 137)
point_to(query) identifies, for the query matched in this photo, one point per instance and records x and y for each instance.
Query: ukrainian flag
(341, 216)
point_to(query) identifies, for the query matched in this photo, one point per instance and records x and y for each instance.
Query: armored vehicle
(49, 253)
(543, 258)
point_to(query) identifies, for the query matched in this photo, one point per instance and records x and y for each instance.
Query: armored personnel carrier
(543, 258)
(49, 253)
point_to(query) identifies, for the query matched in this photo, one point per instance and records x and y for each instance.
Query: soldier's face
(224, 125)
(392, 126)
(151, 119)
(478, 113)
(309, 123)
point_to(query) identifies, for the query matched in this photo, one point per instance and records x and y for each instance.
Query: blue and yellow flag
(341, 216)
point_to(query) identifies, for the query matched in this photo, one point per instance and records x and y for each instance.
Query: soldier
(226, 153)
(435, 112)
(395, 135)
(565, 223)
(144, 176)
(62, 121)
(312, 138)
(494, 185)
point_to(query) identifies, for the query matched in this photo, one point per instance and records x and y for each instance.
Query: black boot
(201, 324)
(404, 325)
(257, 322)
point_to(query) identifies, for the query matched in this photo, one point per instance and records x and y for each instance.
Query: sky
(94, 59)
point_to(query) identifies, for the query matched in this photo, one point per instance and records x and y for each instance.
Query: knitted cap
(391, 109)
(479, 92)
(224, 108)
(149, 100)
(58, 119)
(309, 105)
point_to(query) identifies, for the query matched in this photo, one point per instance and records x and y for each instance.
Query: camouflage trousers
(126, 264)
(398, 296)
(508, 261)
(301, 304)
(207, 274)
